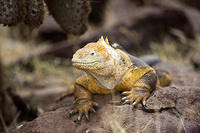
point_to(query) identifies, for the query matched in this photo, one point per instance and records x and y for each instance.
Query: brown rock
(182, 76)
(171, 109)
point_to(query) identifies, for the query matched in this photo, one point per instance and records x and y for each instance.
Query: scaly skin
(109, 69)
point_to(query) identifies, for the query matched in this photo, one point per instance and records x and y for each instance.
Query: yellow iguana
(109, 69)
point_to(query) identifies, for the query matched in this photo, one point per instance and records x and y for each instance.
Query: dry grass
(178, 51)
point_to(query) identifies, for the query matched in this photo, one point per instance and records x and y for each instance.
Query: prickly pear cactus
(72, 15)
(11, 11)
(30, 12)
(35, 13)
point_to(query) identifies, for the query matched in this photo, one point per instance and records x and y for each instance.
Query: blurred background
(38, 39)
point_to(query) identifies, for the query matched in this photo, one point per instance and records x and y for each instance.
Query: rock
(182, 76)
(195, 60)
(171, 109)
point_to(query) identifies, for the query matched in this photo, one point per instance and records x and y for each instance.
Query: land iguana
(108, 69)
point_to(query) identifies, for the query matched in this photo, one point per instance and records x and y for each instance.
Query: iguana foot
(83, 108)
(134, 96)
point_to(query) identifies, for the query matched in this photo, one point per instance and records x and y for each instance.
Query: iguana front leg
(83, 99)
(141, 89)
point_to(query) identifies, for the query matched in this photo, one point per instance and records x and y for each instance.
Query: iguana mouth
(85, 63)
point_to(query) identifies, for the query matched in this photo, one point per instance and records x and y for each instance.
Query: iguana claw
(125, 102)
(83, 109)
(93, 110)
(135, 96)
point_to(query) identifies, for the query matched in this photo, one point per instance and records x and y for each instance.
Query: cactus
(13, 12)
(35, 13)
(72, 15)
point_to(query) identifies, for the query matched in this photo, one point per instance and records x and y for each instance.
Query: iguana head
(95, 56)
(104, 63)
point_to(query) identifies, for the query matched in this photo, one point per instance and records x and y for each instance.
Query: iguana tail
(164, 78)
(151, 60)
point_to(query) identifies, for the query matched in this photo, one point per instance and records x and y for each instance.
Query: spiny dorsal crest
(108, 47)
(102, 40)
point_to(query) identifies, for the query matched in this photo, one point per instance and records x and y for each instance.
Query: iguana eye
(92, 53)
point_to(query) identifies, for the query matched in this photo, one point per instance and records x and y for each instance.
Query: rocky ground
(173, 109)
